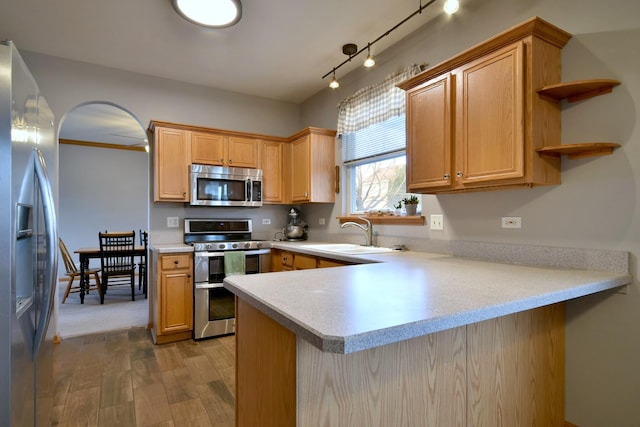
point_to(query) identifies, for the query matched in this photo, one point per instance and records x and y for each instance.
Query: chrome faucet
(366, 229)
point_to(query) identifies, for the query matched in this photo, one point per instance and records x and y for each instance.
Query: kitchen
(595, 207)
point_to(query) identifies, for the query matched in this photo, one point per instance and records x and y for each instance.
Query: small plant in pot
(411, 204)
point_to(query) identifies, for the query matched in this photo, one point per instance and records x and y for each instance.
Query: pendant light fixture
(209, 13)
(450, 7)
(334, 83)
(369, 62)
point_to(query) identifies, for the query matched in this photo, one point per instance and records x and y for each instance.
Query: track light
(334, 83)
(350, 49)
(369, 62)
(451, 6)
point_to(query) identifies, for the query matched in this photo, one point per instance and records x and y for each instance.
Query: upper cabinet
(474, 122)
(313, 166)
(171, 155)
(299, 169)
(220, 150)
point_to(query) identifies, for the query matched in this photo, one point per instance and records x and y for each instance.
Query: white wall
(597, 205)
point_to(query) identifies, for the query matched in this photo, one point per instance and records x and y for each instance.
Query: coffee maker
(296, 229)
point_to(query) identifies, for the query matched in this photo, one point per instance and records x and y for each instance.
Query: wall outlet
(511, 222)
(266, 221)
(436, 222)
(321, 221)
(173, 222)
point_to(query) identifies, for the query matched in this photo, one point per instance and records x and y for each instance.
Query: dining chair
(143, 263)
(73, 271)
(117, 259)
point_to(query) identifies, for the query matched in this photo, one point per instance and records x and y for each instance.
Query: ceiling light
(451, 6)
(209, 13)
(369, 62)
(352, 51)
(334, 83)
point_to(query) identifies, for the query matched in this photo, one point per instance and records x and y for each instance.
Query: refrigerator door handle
(50, 226)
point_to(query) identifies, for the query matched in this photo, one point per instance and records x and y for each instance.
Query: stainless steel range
(213, 240)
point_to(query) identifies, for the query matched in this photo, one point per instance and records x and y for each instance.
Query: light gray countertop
(402, 295)
(171, 248)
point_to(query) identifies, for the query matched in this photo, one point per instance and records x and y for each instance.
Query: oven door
(214, 311)
(214, 306)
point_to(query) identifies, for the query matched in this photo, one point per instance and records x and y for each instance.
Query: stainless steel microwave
(221, 186)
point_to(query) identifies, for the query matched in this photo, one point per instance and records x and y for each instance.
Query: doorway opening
(103, 185)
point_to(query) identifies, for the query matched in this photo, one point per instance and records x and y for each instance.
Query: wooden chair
(117, 259)
(143, 263)
(73, 271)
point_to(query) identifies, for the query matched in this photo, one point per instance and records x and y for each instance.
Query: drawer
(303, 262)
(169, 262)
(324, 263)
(286, 258)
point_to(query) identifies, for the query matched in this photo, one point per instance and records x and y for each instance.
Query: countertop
(401, 295)
(170, 248)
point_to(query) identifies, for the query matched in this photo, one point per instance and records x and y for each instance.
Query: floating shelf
(577, 151)
(579, 89)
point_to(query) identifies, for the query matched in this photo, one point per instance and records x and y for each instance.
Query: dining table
(86, 254)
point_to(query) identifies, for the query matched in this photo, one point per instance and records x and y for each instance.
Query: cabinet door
(172, 158)
(242, 152)
(176, 302)
(429, 143)
(300, 173)
(304, 262)
(207, 149)
(272, 162)
(489, 119)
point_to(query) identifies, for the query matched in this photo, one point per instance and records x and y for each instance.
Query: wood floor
(123, 379)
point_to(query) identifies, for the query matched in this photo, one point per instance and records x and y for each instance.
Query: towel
(234, 263)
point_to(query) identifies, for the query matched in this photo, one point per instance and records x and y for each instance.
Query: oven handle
(204, 254)
(208, 285)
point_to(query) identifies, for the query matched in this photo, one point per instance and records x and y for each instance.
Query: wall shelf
(577, 151)
(578, 90)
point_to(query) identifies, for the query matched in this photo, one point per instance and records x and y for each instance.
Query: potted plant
(411, 204)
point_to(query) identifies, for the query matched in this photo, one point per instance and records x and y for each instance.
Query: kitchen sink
(347, 248)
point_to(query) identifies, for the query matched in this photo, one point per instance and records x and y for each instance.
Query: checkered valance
(374, 104)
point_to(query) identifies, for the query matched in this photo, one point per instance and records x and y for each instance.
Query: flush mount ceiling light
(209, 13)
(350, 49)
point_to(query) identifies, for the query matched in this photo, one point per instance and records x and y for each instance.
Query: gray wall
(109, 194)
(597, 205)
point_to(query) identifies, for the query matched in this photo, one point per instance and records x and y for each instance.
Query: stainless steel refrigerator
(28, 245)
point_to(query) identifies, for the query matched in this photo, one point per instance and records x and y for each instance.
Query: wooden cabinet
(171, 297)
(475, 121)
(221, 150)
(313, 166)
(273, 167)
(172, 155)
(299, 169)
(282, 260)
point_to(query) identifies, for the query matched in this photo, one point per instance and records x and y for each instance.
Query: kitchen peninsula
(406, 338)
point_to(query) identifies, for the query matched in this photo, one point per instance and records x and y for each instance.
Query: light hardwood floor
(122, 379)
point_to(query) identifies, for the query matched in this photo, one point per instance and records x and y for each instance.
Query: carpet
(118, 312)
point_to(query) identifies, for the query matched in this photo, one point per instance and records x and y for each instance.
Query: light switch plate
(436, 222)
(173, 222)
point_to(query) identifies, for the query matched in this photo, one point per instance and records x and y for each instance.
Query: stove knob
(234, 246)
(209, 246)
(247, 245)
(221, 245)
(259, 245)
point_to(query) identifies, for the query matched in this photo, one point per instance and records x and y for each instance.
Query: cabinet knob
(184, 194)
(446, 176)
(176, 262)
(230, 161)
(459, 174)
(222, 161)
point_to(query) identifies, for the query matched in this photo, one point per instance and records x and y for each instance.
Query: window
(376, 166)
(371, 124)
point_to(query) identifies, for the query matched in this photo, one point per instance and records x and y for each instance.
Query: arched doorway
(103, 185)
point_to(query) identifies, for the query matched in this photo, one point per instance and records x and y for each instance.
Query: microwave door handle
(248, 195)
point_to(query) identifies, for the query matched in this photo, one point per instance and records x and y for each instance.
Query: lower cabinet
(171, 297)
(282, 260)
(506, 371)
